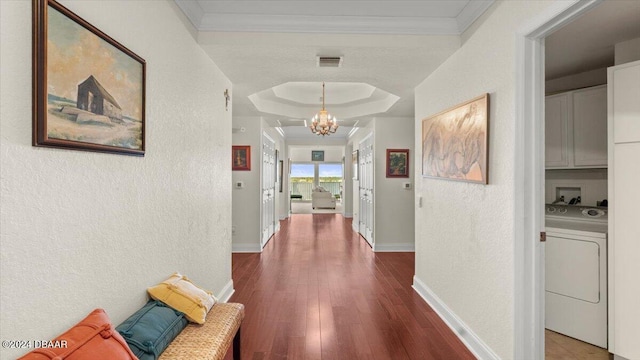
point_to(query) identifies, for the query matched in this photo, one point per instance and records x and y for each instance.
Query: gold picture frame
(455, 142)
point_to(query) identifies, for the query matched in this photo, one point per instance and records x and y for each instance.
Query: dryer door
(573, 268)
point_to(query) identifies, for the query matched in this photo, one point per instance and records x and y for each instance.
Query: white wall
(394, 205)
(576, 81)
(394, 228)
(464, 231)
(246, 201)
(627, 51)
(332, 154)
(82, 230)
(592, 183)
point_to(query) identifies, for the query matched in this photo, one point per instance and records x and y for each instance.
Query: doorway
(530, 141)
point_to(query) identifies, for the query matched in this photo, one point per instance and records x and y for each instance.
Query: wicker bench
(211, 340)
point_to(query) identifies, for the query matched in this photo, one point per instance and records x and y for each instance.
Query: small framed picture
(241, 158)
(317, 155)
(397, 163)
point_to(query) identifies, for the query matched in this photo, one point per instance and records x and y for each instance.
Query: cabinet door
(626, 102)
(590, 126)
(556, 132)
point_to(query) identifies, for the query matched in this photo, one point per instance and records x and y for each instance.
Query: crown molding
(328, 24)
(471, 12)
(325, 24)
(193, 11)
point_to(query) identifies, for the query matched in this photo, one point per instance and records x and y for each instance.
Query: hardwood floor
(317, 291)
(560, 347)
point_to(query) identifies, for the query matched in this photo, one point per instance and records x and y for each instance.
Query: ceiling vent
(329, 61)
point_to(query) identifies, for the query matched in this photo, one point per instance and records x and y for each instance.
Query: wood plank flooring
(317, 291)
(560, 347)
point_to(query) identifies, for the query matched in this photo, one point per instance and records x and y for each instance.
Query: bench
(211, 340)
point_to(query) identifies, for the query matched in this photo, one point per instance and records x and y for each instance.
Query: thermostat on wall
(239, 184)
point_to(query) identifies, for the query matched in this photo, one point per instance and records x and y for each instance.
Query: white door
(268, 188)
(366, 189)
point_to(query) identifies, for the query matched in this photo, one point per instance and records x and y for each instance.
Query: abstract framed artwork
(354, 164)
(89, 90)
(317, 155)
(241, 158)
(397, 163)
(455, 142)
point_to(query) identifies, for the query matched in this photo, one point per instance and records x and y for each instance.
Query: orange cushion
(90, 339)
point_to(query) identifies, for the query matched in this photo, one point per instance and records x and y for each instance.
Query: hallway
(317, 291)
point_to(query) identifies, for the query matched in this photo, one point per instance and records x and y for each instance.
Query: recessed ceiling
(304, 99)
(390, 46)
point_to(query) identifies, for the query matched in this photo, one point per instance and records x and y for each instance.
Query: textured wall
(394, 205)
(246, 201)
(464, 231)
(83, 230)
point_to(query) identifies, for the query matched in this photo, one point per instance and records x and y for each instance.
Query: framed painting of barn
(88, 89)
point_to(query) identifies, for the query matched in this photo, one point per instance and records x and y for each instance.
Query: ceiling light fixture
(323, 123)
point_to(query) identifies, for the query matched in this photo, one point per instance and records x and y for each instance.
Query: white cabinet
(576, 128)
(556, 130)
(624, 197)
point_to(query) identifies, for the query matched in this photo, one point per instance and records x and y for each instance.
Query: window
(305, 176)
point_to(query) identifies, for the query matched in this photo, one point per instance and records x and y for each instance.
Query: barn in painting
(94, 98)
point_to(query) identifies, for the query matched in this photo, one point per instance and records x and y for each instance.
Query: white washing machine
(576, 272)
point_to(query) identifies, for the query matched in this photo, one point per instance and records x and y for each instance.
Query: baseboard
(246, 248)
(226, 292)
(354, 227)
(348, 215)
(406, 247)
(467, 336)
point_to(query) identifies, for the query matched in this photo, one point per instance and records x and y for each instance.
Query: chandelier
(323, 123)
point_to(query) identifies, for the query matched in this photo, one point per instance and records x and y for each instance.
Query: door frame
(529, 308)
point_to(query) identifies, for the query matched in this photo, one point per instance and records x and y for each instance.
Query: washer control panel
(569, 212)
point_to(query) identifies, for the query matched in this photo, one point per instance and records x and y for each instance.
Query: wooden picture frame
(397, 163)
(354, 164)
(241, 158)
(455, 142)
(95, 104)
(317, 155)
(280, 173)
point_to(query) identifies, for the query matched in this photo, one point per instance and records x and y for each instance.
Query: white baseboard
(618, 357)
(467, 336)
(407, 247)
(246, 248)
(348, 215)
(226, 292)
(354, 227)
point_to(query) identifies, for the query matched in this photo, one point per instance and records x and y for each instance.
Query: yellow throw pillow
(181, 294)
